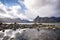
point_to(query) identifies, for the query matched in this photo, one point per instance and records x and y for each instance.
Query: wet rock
(33, 34)
(47, 35)
(58, 33)
(1, 35)
(6, 38)
(12, 39)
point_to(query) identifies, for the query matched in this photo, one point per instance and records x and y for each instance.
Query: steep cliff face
(46, 19)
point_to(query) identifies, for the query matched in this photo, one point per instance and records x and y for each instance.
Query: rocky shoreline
(22, 26)
(45, 32)
(31, 34)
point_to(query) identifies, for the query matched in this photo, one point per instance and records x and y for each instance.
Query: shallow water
(56, 24)
(28, 34)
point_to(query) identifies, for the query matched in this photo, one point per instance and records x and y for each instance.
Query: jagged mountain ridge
(46, 19)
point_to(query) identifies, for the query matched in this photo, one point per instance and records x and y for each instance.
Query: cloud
(43, 8)
(11, 12)
(3, 11)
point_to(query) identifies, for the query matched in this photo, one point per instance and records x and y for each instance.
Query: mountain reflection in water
(29, 34)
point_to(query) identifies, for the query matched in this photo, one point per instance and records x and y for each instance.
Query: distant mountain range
(37, 20)
(9, 20)
(46, 19)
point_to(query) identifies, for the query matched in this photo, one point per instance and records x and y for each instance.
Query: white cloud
(43, 8)
(11, 12)
(3, 11)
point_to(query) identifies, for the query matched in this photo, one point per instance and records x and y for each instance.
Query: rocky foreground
(29, 32)
(15, 26)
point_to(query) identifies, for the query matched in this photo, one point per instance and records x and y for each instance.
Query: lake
(56, 24)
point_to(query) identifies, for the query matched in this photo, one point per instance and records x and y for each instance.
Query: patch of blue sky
(10, 3)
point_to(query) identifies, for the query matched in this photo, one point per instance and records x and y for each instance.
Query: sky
(29, 9)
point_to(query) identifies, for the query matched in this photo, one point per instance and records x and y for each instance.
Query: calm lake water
(56, 24)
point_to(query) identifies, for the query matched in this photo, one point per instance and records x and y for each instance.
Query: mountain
(9, 20)
(46, 19)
